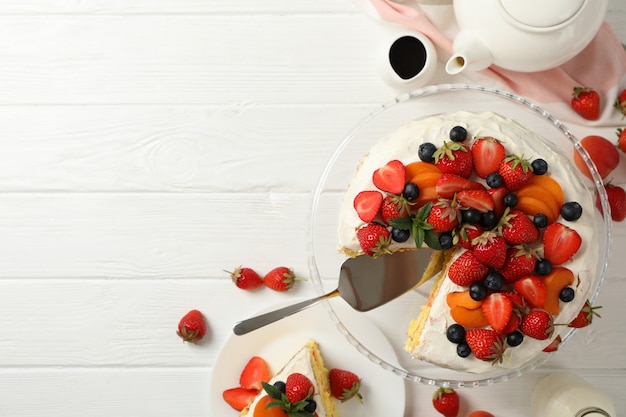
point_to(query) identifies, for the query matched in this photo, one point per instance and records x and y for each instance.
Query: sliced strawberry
(532, 289)
(560, 243)
(481, 200)
(367, 205)
(513, 324)
(498, 199)
(449, 184)
(554, 345)
(239, 398)
(585, 316)
(498, 309)
(516, 299)
(487, 154)
(254, 373)
(391, 177)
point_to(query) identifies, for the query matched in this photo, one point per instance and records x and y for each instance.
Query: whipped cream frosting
(403, 145)
(301, 363)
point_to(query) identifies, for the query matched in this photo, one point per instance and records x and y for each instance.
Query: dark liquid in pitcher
(407, 57)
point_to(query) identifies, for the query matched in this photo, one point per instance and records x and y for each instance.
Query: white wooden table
(149, 144)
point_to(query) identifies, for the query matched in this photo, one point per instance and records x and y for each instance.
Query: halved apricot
(426, 194)
(426, 179)
(415, 168)
(541, 193)
(533, 206)
(555, 281)
(468, 318)
(463, 299)
(549, 184)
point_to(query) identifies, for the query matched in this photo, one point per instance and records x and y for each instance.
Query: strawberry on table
(245, 278)
(391, 177)
(447, 402)
(454, 158)
(192, 327)
(620, 103)
(560, 243)
(367, 205)
(239, 398)
(585, 316)
(586, 102)
(344, 385)
(537, 324)
(254, 374)
(487, 154)
(280, 279)
(374, 239)
(617, 201)
(516, 171)
(621, 139)
(485, 344)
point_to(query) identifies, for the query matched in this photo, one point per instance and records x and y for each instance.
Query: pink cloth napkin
(601, 66)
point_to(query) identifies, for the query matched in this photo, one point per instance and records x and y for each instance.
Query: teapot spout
(470, 53)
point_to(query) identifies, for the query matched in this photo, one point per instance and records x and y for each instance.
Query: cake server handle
(253, 323)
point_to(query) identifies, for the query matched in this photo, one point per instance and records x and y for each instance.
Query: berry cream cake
(302, 385)
(511, 222)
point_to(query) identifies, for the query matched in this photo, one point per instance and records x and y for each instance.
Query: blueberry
(463, 350)
(458, 134)
(446, 240)
(515, 338)
(310, 406)
(478, 291)
(494, 180)
(426, 151)
(567, 294)
(543, 267)
(455, 333)
(400, 235)
(281, 386)
(510, 200)
(571, 211)
(540, 166)
(489, 220)
(540, 220)
(471, 216)
(494, 280)
(411, 191)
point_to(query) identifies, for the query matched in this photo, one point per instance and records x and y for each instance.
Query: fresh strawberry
(537, 324)
(602, 152)
(487, 154)
(367, 205)
(513, 323)
(466, 269)
(485, 344)
(298, 387)
(391, 177)
(394, 207)
(239, 398)
(490, 249)
(554, 345)
(617, 201)
(532, 289)
(447, 402)
(516, 171)
(586, 102)
(585, 316)
(516, 299)
(620, 103)
(192, 327)
(374, 239)
(245, 278)
(480, 413)
(344, 385)
(621, 139)
(280, 278)
(518, 228)
(254, 374)
(520, 261)
(560, 243)
(481, 200)
(497, 194)
(454, 158)
(449, 184)
(498, 309)
(467, 233)
(444, 216)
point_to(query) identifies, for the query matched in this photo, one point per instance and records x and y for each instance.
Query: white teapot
(522, 35)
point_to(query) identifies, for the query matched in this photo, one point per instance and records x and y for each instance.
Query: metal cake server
(364, 283)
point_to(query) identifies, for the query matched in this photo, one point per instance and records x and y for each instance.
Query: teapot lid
(542, 13)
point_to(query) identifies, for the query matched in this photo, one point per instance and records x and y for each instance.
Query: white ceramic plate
(383, 392)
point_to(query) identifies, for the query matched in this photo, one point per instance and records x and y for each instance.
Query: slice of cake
(308, 362)
(515, 221)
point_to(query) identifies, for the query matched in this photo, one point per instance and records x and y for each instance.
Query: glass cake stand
(394, 317)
